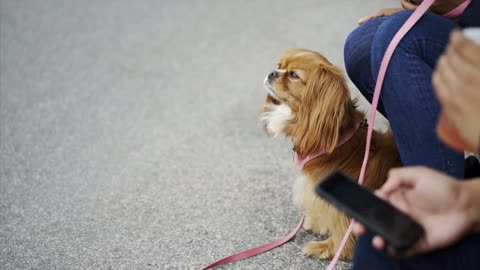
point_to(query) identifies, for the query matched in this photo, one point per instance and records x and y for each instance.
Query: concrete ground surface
(129, 136)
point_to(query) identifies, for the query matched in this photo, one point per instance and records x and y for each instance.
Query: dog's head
(308, 100)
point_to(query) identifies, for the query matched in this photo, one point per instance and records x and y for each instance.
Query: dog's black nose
(273, 75)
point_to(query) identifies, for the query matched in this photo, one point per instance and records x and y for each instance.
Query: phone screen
(377, 215)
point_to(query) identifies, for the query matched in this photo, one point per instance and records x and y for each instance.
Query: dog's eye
(293, 75)
(279, 66)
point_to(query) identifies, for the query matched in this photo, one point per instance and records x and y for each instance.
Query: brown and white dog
(308, 100)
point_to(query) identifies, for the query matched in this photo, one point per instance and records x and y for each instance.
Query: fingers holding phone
(379, 216)
(436, 201)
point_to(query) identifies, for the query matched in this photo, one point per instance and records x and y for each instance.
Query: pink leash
(416, 15)
(258, 250)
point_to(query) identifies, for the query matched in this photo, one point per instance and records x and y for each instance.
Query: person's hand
(379, 13)
(456, 80)
(410, 4)
(435, 200)
(440, 6)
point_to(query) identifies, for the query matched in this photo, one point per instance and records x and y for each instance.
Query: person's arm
(447, 209)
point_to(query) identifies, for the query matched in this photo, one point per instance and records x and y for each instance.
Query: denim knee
(351, 52)
(357, 56)
(357, 48)
(431, 28)
(384, 35)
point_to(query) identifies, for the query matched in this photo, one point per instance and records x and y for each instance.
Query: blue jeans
(407, 99)
(462, 255)
(409, 103)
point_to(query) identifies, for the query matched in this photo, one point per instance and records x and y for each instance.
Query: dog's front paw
(320, 249)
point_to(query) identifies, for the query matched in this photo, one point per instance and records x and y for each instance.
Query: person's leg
(462, 255)
(358, 55)
(412, 109)
(408, 97)
(366, 257)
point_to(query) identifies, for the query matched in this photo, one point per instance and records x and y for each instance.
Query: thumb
(364, 19)
(401, 177)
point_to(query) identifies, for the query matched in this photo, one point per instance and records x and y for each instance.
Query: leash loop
(257, 250)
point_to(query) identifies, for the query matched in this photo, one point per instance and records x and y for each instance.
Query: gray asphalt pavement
(129, 137)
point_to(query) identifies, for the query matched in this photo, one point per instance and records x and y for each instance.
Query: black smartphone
(378, 216)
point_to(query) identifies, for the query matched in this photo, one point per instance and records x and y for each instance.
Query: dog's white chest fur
(303, 192)
(313, 207)
(276, 117)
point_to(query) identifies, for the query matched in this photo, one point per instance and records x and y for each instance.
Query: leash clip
(364, 123)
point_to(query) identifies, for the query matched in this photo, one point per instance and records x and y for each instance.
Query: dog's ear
(326, 109)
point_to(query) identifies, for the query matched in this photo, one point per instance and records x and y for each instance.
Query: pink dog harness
(416, 15)
(345, 138)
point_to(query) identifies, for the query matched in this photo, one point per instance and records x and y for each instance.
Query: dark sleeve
(471, 16)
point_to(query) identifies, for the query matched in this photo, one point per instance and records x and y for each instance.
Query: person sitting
(426, 83)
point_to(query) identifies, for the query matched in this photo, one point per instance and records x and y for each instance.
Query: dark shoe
(472, 167)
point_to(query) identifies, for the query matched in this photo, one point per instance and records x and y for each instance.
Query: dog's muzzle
(268, 83)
